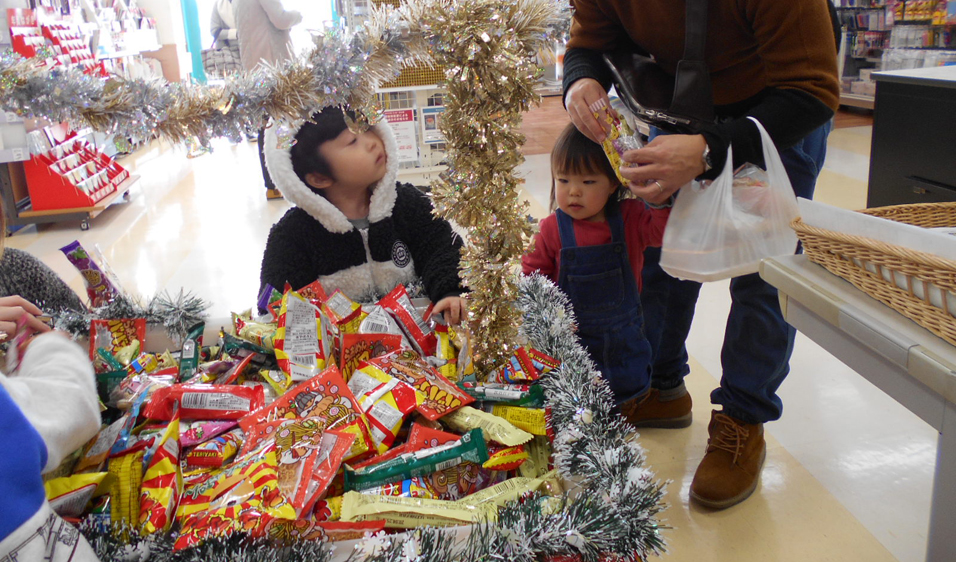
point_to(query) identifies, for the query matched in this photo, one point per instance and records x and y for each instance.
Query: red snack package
(437, 395)
(324, 396)
(421, 437)
(162, 483)
(216, 452)
(315, 293)
(194, 433)
(352, 349)
(204, 401)
(385, 401)
(400, 306)
(527, 364)
(115, 334)
(300, 347)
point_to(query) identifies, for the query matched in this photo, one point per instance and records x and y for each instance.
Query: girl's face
(583, 196)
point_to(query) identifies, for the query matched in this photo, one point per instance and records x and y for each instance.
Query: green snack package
(470, 448)
(189, 358)
(526, 395)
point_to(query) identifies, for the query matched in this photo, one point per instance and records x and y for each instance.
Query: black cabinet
(913, 150)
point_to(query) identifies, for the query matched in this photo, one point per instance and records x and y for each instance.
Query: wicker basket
(850, 256)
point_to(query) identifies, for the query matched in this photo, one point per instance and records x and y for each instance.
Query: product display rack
(880, 35)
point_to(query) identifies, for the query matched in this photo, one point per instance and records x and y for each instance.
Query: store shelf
(83, 214)
(857, 100)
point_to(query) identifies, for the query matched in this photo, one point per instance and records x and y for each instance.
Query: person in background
(592, 246)
(263, 32)
(48, 409)
(775, 61)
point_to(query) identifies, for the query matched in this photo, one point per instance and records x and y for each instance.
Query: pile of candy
(322, 420)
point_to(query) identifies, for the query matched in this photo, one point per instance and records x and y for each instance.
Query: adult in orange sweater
(775, 61)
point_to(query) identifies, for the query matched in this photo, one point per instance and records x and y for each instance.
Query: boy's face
(356, 160)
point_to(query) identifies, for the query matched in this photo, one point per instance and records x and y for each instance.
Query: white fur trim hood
(279, 163)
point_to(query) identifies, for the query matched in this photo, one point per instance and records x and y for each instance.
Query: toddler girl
(592, 246)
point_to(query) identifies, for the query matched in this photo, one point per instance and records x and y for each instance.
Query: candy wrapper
(300, 346)
(437, 395)
(204, 402)
(532, 420)
(99, 287)
(505, 458)
(409, 513)
(126, 473)
(526, 365)
(162, 483)
(255, 332)
(69, 495)
(379, 321)
(252, 480)
(529, 395)
(315, 293)
(327, 397)
(446, 356)
(284, 532)
(353, 349)
(492, 427)
(308, 456)
(194, 433)
(421, 437)
(215, 452)
(618, 141)
(346, 314)
(329, 509)
(400, 306)
(412, 488)
(469, 448)
(112, 335)
(385, 401)
(192, 348)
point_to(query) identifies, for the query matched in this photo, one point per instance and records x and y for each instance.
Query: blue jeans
(758, 342)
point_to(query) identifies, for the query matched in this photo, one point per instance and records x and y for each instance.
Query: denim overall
(600, 283)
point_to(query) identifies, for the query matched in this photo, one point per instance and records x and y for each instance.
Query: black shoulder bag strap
(693, 95)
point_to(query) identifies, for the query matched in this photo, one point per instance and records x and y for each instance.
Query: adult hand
(581, 97)
(667, 163)
(452, 309)
(12, 308)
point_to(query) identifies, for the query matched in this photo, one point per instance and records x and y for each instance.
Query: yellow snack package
(503, 492)
(493, 428)
(70, 494)
(532, 420)
(409, 513)
(127, 473)
(162, 484)
(300, 346)
(618, 141)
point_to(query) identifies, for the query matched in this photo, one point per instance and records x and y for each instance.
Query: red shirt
(643, 227)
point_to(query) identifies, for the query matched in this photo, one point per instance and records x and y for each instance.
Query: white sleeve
(56, 390)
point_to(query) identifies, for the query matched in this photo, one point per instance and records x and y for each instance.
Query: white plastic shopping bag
(724, 229)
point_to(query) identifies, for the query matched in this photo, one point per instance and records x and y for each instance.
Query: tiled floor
(848, 472)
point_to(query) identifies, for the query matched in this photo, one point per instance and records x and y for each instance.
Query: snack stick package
(492, 427)
(324, 396)
(506, 458)
(461, 480)
(216, 452)
(284, 532)
(162, 484)
(437, 395)
(400, 306)
(385, 401)
(469, 448)
(409, 513)
(421, 437)
(127, 474)
(526, 365)
(532, 420)
(69, 495)
(503, 492)
(194, 433)
(353, 349)
(113, 335)
(299, 344)
(99, 288)
(529, 395)
(204, 401)
(412, 488)
(192, 350)
(446, 356)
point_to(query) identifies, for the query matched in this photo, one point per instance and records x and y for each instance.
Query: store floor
(848, 472)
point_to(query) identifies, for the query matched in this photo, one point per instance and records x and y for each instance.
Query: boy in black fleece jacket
(354, 227)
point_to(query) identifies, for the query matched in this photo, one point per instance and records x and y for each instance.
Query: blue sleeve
(25, 455)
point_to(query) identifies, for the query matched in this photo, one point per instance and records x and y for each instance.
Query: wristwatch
(705, 158)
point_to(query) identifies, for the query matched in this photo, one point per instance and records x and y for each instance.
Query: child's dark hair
(574, 153)
(325, 125)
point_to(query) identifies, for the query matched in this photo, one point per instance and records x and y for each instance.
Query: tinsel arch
(488, 48)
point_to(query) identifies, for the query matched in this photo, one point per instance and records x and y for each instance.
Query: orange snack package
(162, 483)
(437, 396)
(115, 334)
(324, 396)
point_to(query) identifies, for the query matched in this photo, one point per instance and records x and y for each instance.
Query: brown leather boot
(655, 410)
(730, 469)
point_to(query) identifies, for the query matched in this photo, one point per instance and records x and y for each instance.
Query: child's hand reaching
(452, 309)
(11, 309)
